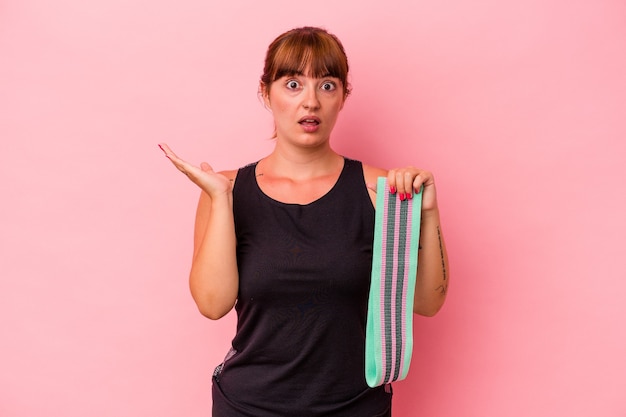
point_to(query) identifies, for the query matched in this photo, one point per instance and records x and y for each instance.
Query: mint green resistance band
(389, 329)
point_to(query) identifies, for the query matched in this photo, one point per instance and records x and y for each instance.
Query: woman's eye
(328, 86)
(293, 84)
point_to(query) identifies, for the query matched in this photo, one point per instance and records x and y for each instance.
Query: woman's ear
(265, 94)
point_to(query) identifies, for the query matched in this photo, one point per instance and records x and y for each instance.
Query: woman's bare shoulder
(231, 174)
(372, 173)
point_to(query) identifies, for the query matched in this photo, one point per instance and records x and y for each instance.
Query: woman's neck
(300, 164)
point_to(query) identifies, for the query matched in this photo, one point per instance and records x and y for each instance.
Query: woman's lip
(310, 127)
(309, 119)
(310, 124)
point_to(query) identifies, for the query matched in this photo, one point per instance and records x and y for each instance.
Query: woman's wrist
(431, 215)
(221, 199)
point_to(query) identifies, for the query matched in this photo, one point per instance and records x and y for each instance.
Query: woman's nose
(311, 100)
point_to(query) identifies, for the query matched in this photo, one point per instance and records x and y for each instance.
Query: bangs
(311, 56)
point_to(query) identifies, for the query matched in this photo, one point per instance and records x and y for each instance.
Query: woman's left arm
(433, 272)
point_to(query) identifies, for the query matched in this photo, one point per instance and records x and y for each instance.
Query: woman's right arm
(214, 278)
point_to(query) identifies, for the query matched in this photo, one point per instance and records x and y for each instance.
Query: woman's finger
(206, 167)
(391, 180)
(182, 165)
(167, 151)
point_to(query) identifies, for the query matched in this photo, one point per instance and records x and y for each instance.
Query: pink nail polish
(402, 196)
(392, 190)
(166, 155)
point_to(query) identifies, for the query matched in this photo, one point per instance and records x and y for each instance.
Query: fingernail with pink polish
(392, 190)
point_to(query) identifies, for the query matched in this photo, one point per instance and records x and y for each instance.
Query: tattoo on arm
(443, 288)
(443, 262)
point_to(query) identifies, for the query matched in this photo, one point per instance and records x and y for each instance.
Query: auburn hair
(306, 48)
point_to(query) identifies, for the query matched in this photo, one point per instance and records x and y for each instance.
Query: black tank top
(304, 273)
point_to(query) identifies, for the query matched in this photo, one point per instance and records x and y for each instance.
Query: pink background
(517, 106)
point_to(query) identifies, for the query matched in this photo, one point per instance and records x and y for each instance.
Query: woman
(288, 240)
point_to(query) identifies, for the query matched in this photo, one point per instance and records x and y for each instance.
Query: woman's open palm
(203, 176)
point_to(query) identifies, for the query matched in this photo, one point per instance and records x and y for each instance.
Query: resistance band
(389, 331)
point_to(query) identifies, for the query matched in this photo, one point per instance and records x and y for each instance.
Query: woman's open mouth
(309, 123)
